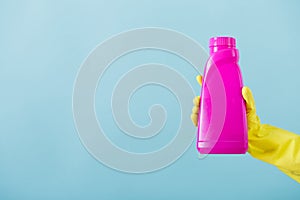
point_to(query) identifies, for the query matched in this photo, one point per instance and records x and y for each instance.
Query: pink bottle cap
(222, 41)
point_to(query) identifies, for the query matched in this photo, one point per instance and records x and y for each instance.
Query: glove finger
(199, 79)
(196, 101)
(195, 110)
(194, 119)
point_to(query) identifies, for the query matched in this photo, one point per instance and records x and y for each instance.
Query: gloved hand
(267, 143)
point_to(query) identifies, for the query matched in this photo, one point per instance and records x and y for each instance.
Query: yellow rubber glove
(196, 101)
(270, 144)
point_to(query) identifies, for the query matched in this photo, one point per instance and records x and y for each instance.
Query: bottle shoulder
(224, 56)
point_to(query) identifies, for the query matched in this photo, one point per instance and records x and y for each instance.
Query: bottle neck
(214, 49)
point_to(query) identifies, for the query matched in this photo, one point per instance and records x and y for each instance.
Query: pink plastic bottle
(222, 123)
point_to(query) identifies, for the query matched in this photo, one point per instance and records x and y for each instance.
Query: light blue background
(43, 43)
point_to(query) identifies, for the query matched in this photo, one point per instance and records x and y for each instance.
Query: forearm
(277, 147)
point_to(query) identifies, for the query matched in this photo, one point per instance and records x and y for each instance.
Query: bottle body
(222, 122)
